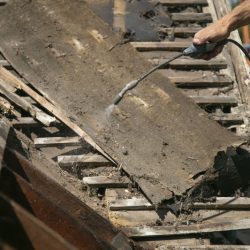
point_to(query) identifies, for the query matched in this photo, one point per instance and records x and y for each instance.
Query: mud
(63, 49)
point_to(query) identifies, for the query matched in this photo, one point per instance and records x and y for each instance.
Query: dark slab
(160, 137)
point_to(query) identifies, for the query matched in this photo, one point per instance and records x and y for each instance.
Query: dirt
(63, 49)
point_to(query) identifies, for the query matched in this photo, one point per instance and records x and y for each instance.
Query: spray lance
(193, 51)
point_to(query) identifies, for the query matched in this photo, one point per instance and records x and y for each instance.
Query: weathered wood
(163, 231)
(180, 31)
(24, 230)
(205, 81)
(7, 108)
(49, 213)
(59, 195)
(24, 122)
(215, 100)
(44, 118)
(57, 141)
(225, 203)
(131, 204)
(183, 2)
(12, 79)
(4, 132)
(227, 119)
(206, 247)
(105, 182)
(82, 160)
(186, 64)
(4, 63)
(168, 46)
(192, 17)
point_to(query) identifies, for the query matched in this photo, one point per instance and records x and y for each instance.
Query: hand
(214, 33)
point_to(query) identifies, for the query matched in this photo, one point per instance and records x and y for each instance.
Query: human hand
(214, 33)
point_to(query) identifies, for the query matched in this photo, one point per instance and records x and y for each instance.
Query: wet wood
(192, 17)
(163, 231)
(186, 64)
(12, 79)
(215, 100)
(57, 141)
(225, 203)
(202, 82)
(183, 2)
(82, 160)
(168, 46)
(23, 229)
(130, 204)
(105, 182)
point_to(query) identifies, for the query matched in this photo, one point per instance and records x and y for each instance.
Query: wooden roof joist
(183, 2)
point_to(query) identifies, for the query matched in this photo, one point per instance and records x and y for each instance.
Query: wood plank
(203, 247)
(183, 2)
(163, 231)
(225, 203)
(25, 122)
(84, 160)
(57, 141)
(105, 182)
(215, 100)
(180, 31)
(12, 79)
(7, 108)
(203, 81)
(168, 46)
(131, 204)
(227, 119)
(192, 17)
(186, 64)
(4, 63)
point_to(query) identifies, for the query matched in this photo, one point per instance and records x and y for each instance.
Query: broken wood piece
(12, 79)
(131, 204)
(215, 100)
(168, 46)
(204, 81)
(57, 141)
(7, 108)
(24, 122)
(183, 2)
(192, 17)
(4, 63)
(227, 119)
(105, 182)
(44, 118)
(185, 64)
(180, 31)
(225, 203)
(93, 160)
(164, 231)
(203, 247)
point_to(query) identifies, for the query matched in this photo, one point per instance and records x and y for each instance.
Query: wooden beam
(93, 160)
(227, 119)
(12, 79)
(192, 17)
(201, 82)
(186, 64)
(105, 182)
(57, 141)
(204, 247)
(215, 100)
(163, 231)
(131, 204)
(4, 63)
(180, 31)
(24, 122)
(168, 46)
(183, 2)
(225, 203)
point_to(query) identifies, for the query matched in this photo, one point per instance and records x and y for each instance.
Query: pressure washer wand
(194, 51)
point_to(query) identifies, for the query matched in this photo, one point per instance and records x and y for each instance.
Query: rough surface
(158, 135)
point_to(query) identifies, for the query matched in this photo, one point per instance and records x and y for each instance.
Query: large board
(159, 136)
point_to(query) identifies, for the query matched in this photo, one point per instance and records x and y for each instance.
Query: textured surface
(158, 135)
